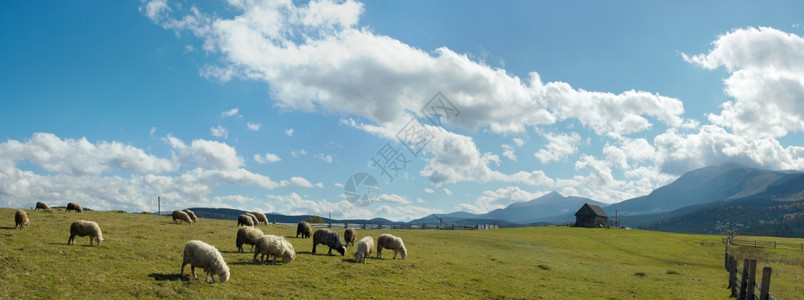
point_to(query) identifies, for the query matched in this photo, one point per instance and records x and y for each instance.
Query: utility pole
(159, 206)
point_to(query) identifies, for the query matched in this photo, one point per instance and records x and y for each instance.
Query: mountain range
(715, 199)
(710, 200)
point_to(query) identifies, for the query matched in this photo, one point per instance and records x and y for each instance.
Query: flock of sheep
(205, 256)
(199, 254)
(79, 228)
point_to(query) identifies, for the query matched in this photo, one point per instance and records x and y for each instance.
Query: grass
(141, 256)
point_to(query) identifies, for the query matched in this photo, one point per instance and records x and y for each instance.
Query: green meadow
(141, 257)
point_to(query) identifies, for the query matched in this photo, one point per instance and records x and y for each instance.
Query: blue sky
(274, 105)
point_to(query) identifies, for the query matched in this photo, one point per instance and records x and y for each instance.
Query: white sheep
(247, 235)
(191, 214)
(21, 219)
(387, 241)
(261, 218)
(244, 220)
(42, 205)
(364, 248)
(182, 217)
(74, 206)
(268, 245)
(85, 228)
(207, 257)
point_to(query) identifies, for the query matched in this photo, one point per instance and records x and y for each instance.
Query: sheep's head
(288, 256)
(224, 276)
(342, 250)
(98, 240)
(404, 252)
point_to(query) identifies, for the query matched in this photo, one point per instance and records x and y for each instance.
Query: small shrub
(544, 267)
(315, 219)
(671, 272)
(640, 274)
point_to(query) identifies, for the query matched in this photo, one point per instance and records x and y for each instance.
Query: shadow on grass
(168, 277)
(242, 263)
(7, 228)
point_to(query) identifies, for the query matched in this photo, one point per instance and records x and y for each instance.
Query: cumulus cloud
(80, 156)
(110, 175)
(558, 147)
(289, 132)
(500, 198)
(215, 154)
(508, 152)
(766, 81)
(266, 158)
(456, 158)
(323, 61)
(219, 131)
(253, 126)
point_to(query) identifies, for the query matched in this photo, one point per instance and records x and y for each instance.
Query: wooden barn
(591, 216)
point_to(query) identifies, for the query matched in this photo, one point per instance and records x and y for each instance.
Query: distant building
(591, 216)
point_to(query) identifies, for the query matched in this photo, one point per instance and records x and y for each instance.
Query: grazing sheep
(207, 257)
(191, 214)
(84, 228)
(329, 238)
(268, 245)
(364, 249)
(253, 218)
(260, 217)
(21, 219)
(244, 220)
(74, 206)
(387, 241)
(304, 229)
(247, 235)
(182, 217)
(41, 205)
(349, 236)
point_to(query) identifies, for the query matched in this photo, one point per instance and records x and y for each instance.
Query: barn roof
(591, 208)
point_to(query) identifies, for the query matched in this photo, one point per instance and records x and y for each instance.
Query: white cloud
(80, 157)
(219, 131)
(322, 61)
(559, 146)
(297, 153)
(295, 204)
(500, 198)
(508, 152)
(393, 198)
(456, 158)
(519, 142)
(215, 154)
(253, 126)
(289, 132)
(156, 9)
(429, 190)
(266, 158)
(229, 113)
(325, 157)
(766, 80)
(447, 191)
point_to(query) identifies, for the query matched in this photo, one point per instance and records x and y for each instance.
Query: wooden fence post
(752, 279)
(733, 275)
(764, 293)
(744, 279)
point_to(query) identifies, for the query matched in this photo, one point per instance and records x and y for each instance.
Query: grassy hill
(141, 257)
